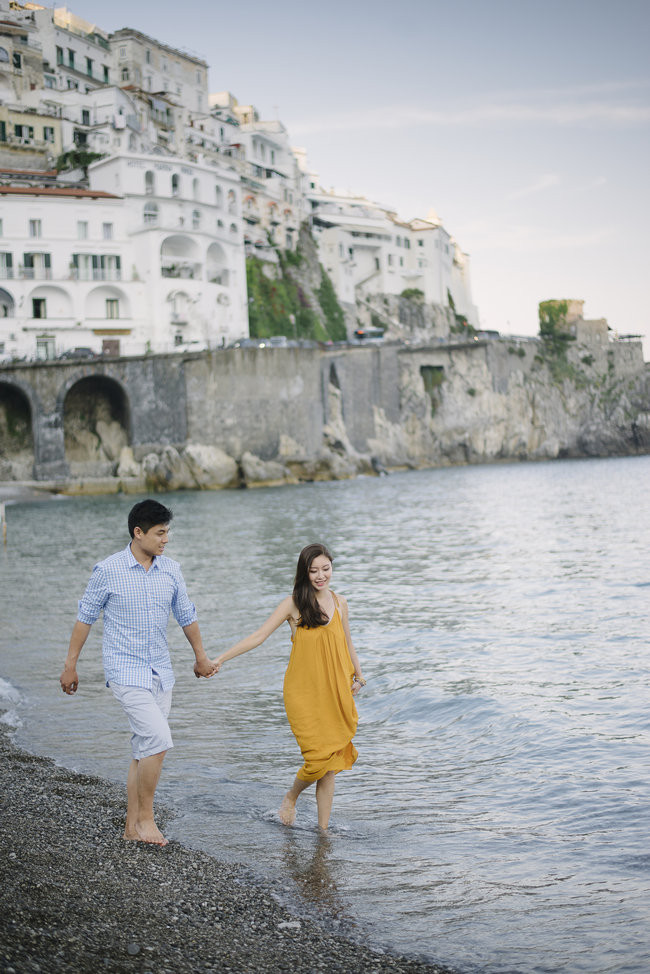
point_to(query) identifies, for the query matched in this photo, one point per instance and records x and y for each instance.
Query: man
(137, 588)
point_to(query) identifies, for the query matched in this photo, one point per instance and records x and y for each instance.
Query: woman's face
(320, 572)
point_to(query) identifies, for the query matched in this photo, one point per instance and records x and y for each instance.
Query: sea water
(497, 818)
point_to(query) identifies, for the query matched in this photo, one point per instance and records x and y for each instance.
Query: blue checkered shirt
(136, 605)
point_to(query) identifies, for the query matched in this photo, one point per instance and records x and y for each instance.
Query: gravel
(76, 898)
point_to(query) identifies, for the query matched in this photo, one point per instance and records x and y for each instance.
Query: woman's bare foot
(287, 810)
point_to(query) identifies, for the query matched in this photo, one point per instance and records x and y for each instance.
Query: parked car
(78, 353)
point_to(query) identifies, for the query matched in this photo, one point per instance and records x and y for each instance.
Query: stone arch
(57, 302)
(17, 412)
(180, 257)
(97, 305)
(96, 424)
(217, 265)
(7, 304)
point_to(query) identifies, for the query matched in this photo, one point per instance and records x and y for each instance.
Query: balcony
(182, 269)
(6, 273)
(96, 274)
(35, 273)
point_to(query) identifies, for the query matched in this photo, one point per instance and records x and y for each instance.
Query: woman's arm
(283, 612)
(358, 675)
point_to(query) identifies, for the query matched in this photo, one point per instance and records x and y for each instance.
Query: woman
(323, 675)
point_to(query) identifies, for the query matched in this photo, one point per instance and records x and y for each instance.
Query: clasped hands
(206, 668)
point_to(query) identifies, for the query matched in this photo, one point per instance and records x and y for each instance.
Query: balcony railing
(96, 274)
(185, 270)
(35, 273)
(6, 273)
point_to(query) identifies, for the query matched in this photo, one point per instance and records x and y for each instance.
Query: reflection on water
(497, 816)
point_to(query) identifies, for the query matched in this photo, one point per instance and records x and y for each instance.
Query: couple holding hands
(137, 589)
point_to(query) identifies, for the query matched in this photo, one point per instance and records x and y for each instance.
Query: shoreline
(76, 898)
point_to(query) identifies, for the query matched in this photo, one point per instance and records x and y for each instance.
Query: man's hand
(69, 680)
(206, 668)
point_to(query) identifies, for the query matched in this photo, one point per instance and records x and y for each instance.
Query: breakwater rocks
(259, 416)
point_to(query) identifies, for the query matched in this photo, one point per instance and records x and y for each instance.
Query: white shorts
(147, 712)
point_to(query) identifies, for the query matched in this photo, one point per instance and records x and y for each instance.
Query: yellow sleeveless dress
(318, 698)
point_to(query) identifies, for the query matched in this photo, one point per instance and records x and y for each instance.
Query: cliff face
(507, 400)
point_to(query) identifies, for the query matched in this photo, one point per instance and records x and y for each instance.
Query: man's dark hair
(147, 513)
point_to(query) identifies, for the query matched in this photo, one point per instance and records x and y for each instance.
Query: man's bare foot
(149, 832)
(287, 810)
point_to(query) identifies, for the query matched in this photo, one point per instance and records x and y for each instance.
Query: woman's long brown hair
(304, 594)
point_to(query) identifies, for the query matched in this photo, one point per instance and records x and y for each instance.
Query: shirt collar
(133, 562)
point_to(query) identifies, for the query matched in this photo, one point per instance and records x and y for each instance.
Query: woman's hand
(206, 668)
(357, 683)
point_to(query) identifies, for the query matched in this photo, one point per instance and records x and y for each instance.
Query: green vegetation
(280, 306)
(413, 294)
(77, 159)
(555, 341)
(433, 376)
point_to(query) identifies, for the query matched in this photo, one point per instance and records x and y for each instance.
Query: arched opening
(16, 436)
(95, 426)
(179, 257)
(217, 265)
(7, 307)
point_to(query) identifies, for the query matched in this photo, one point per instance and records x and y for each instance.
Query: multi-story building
(149, 259)
(366, 251)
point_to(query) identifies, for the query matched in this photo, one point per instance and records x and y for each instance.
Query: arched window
(176, 185)
(218, 196)
(149, 183)
(196, 220)
(150, 213)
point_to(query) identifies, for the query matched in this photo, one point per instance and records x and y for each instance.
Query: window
(122, 53)
(107, 231)
(85, 116)
(48, 133)
(420, 243)
(151, 213)
(6, 266)
(198, 77)
(0, 226)
(195, 189)
(24, 132)
(59, 55)
(106, 74)
(218, 196)
(82, 229)
(149, 183)
(17, 60)
(112, 308)
(89, 67)
(44, 349)
(232, 201)
(125, 74)
(175, 185)
(38, 308)
(70, 58)
(3, 131)
(35, 228)
(196, 220)
(50, 82)
(147, 56)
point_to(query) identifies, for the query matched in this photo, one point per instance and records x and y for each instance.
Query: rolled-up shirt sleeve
(183, 608)
(94, 598)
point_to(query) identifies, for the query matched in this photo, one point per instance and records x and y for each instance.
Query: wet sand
(76, 898)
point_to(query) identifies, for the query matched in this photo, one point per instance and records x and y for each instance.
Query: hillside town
(132, 198)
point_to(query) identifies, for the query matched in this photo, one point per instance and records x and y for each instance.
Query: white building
(150, 259)
(367, 251)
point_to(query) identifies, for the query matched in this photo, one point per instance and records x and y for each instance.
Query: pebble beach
(76, 898)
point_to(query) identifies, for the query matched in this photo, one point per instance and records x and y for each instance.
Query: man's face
(153, 542)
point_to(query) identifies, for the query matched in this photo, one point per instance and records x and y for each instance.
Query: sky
(524, 124)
